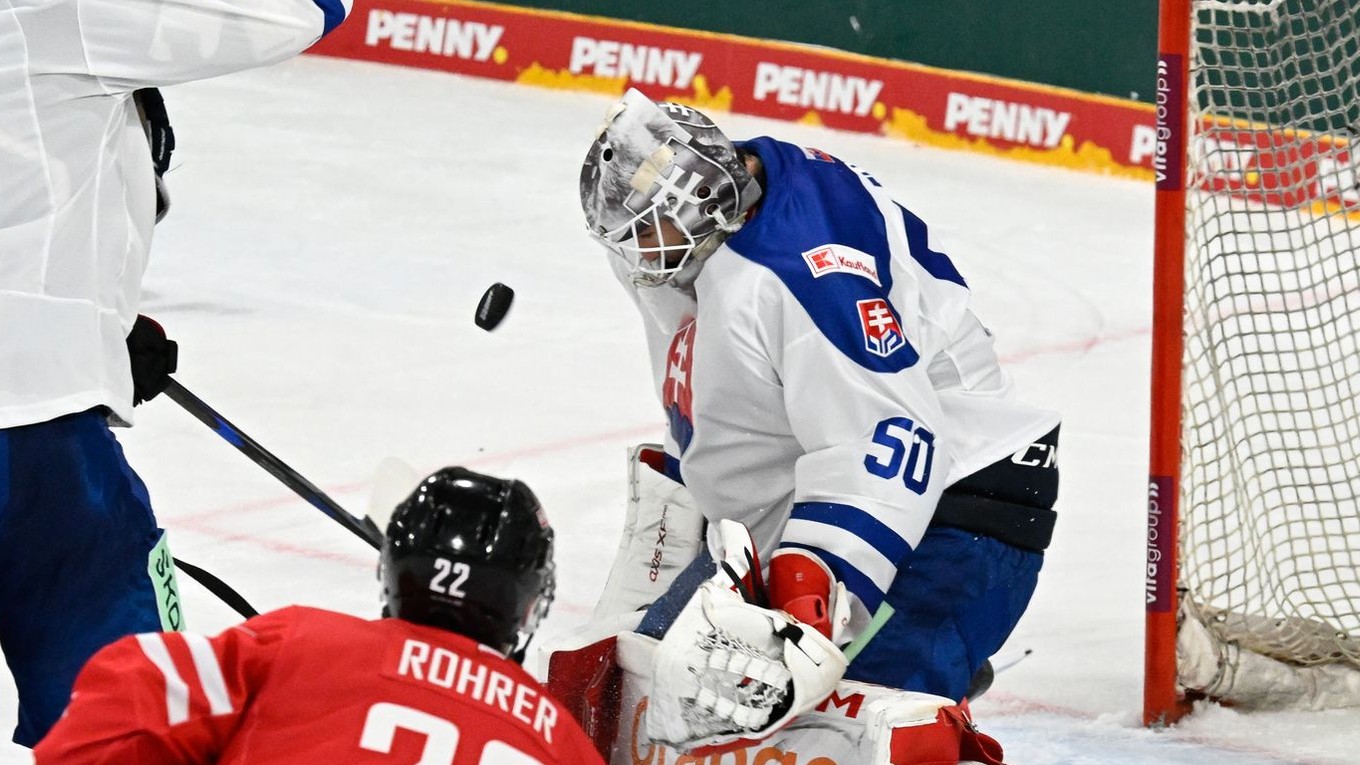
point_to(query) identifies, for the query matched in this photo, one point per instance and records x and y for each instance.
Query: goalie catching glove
(728, 669)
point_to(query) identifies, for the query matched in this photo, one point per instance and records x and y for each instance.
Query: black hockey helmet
(472, 554)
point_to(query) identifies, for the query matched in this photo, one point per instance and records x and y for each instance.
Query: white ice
(333, 226)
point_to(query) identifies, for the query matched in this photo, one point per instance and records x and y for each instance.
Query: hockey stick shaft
(221, 589)
(276, 467)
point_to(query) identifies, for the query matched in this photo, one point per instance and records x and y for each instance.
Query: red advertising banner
(799, 83)
(934, 107)
(1280, 168)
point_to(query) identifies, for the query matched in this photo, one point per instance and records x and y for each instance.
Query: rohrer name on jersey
(465, 676)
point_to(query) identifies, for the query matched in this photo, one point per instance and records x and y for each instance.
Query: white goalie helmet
(660, 161)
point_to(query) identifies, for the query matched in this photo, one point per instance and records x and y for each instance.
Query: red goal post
(1252, 577)
(1161, 701)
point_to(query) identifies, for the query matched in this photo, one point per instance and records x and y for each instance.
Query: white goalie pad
(662, 533)
(607, 687)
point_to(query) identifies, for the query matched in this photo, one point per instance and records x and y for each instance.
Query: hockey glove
(154, 358)
(802, 586)
(728, 669)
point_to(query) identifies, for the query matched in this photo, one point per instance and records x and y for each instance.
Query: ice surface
(334, 224)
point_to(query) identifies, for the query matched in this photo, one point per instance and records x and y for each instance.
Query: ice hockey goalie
(730, 682)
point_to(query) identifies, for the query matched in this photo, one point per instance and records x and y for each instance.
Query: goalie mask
(472, 554)
(656, 162)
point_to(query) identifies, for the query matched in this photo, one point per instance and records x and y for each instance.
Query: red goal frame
(1162, 702)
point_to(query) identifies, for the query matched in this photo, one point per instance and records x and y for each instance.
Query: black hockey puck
(493, 306)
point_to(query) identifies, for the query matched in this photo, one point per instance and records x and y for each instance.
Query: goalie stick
(363, 528)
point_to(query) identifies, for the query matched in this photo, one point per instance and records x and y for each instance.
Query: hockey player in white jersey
(826, 385)
(82, 561)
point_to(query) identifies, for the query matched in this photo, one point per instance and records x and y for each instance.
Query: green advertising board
(1098, 46)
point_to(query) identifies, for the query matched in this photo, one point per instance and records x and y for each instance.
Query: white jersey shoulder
(79, 201)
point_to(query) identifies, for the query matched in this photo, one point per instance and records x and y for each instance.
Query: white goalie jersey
(826, 381)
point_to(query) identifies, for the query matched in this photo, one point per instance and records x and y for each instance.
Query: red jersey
(302, 685)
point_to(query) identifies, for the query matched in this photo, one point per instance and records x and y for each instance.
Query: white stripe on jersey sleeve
(209, 673)
(176, 691)
(844, 544)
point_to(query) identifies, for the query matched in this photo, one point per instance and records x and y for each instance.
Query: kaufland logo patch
(839, 259)
(470, 40)
(882, 334)
(643, 64)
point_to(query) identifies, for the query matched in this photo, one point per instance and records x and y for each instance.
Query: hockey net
(1268, 540)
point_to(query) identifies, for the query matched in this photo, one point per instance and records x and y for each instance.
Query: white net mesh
(1270, 541)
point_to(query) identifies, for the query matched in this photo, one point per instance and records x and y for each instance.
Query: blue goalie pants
(954, 604)
(76, 533)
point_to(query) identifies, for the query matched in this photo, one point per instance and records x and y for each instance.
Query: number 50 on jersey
(911, 450)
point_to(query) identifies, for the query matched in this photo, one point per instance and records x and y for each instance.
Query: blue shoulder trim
(937, 264)
(334, 12)
(821, 232)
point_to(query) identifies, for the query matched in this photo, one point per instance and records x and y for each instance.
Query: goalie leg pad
(730, 559)
(902, 733)
(662, 532)
(611, 701)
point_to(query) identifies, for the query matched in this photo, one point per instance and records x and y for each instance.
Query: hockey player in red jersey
(467, 573)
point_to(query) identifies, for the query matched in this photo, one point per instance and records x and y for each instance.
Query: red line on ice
(197, 521)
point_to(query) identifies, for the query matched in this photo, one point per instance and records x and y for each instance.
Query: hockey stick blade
(493, 306)
(393, 482)
(363, 528)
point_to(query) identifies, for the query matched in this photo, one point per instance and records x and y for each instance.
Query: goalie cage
(1253, 545)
